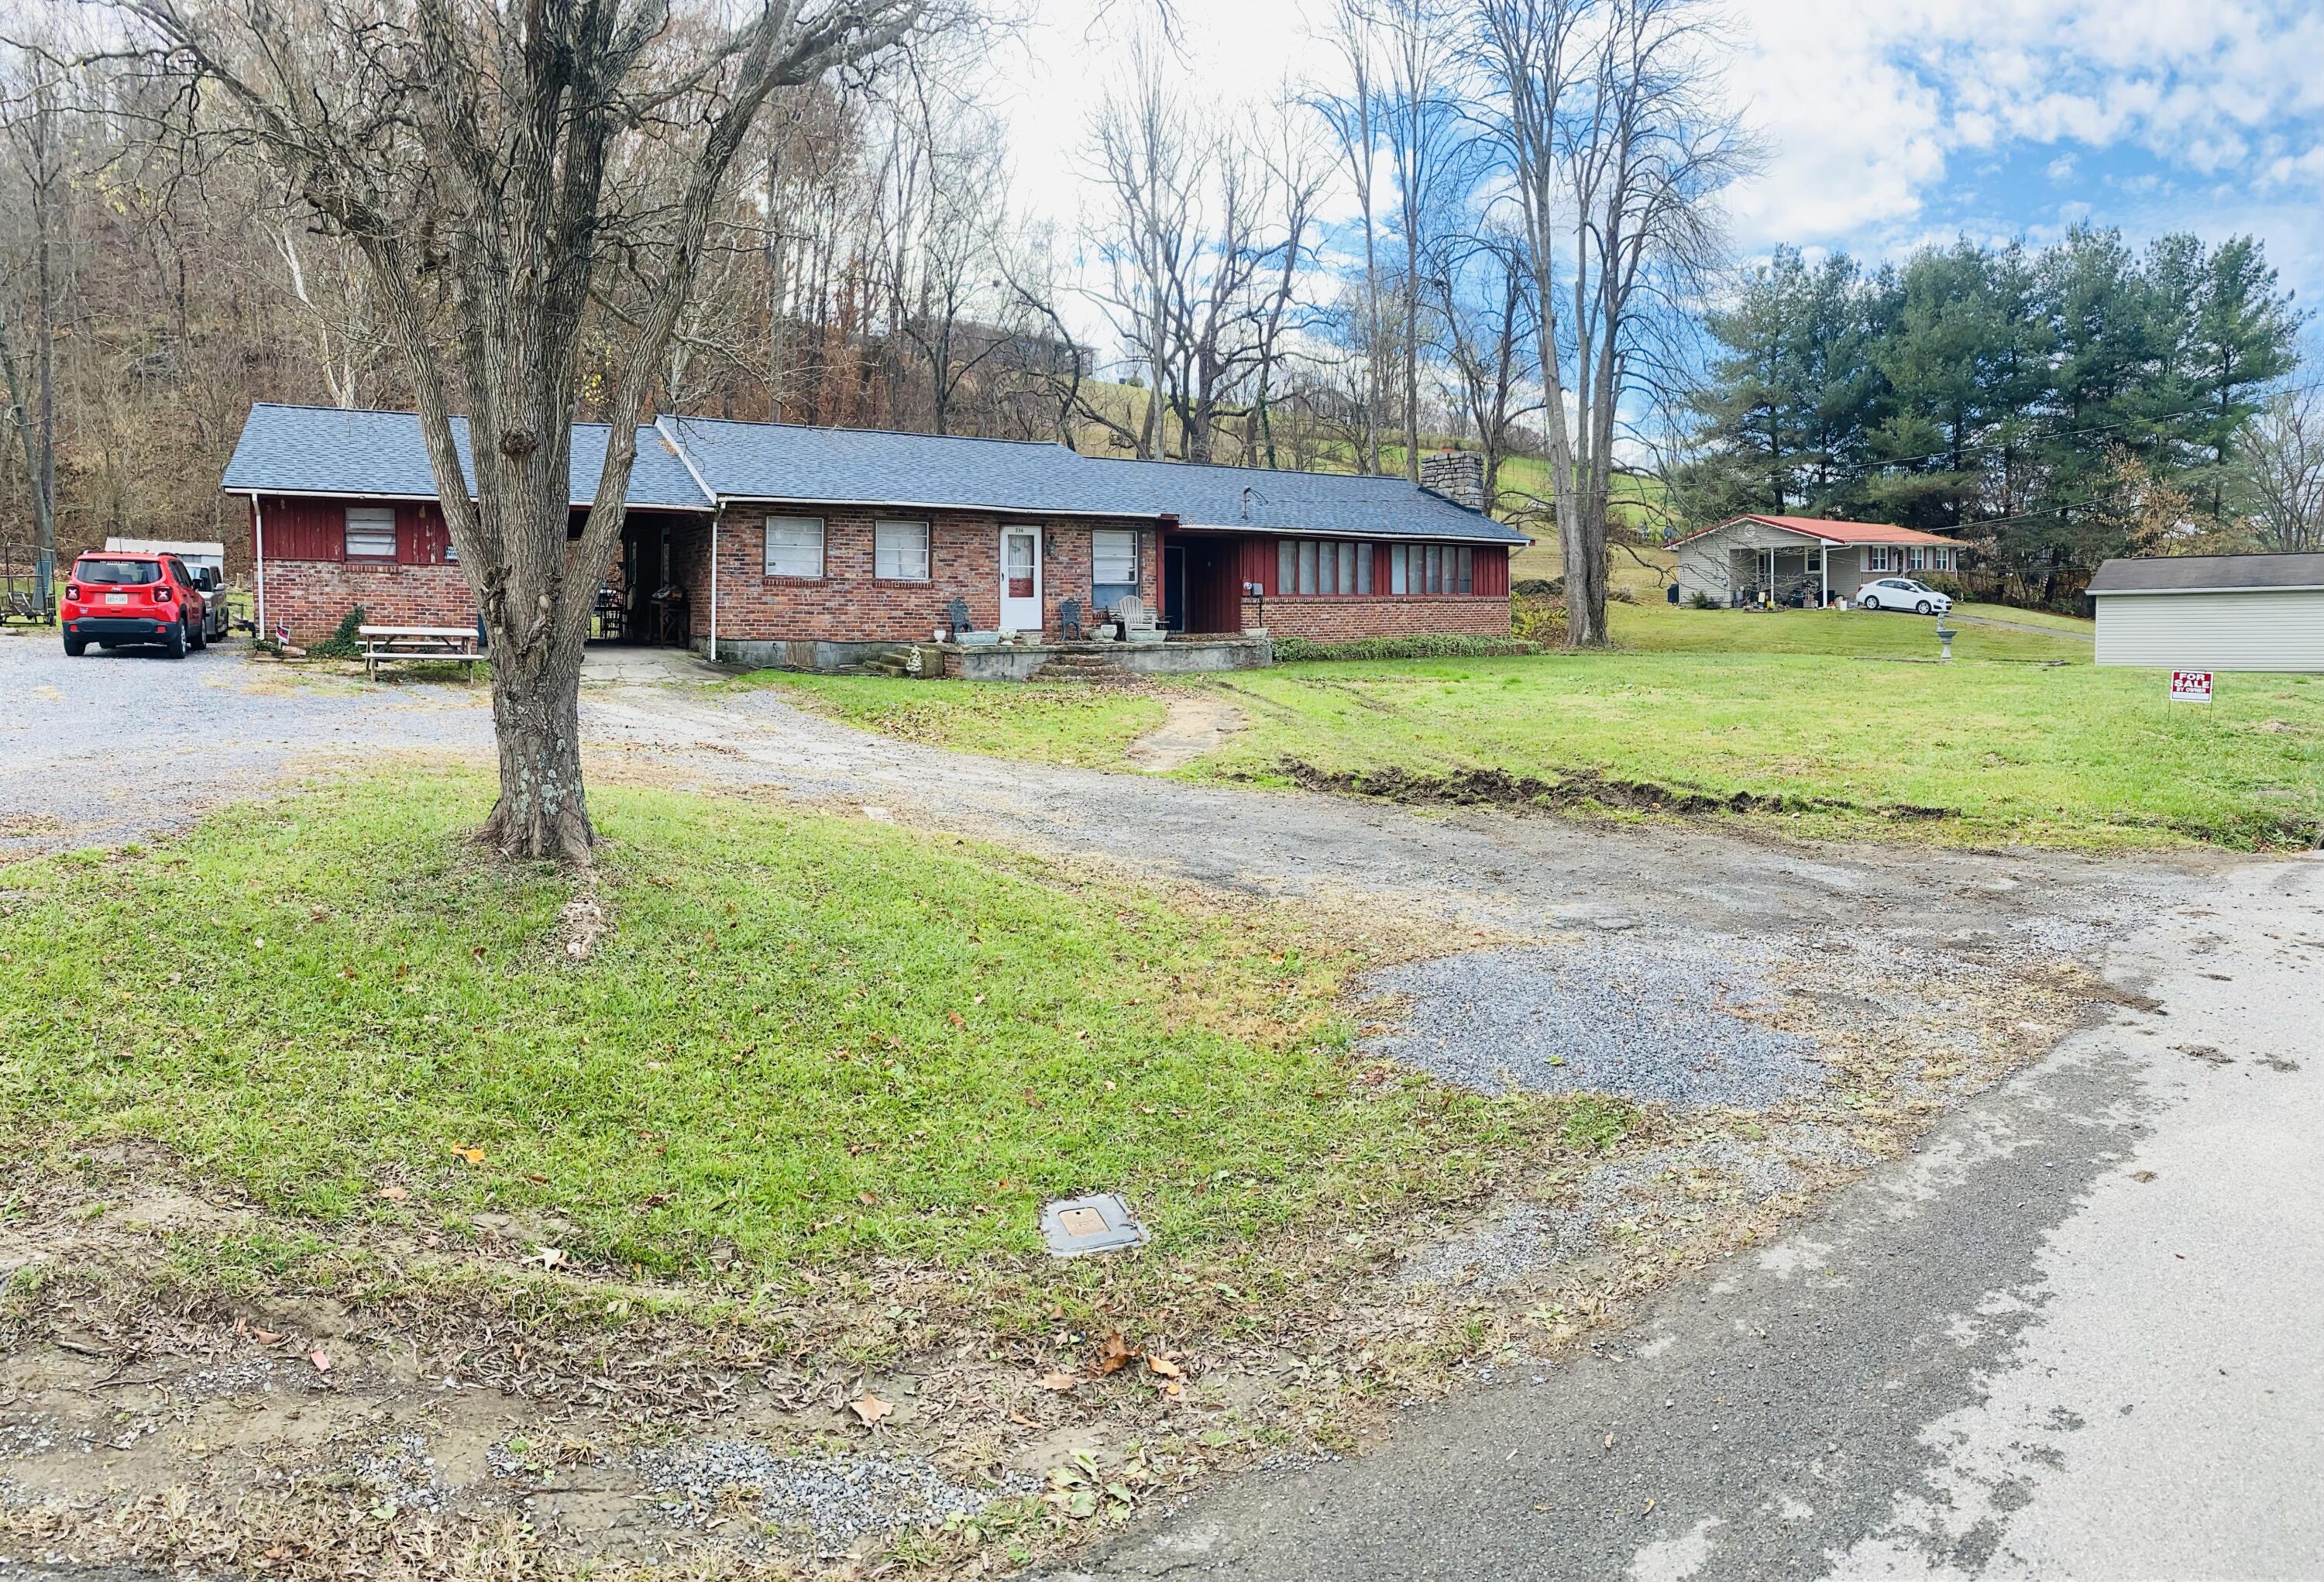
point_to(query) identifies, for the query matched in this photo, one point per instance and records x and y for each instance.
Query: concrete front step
(1081, 667)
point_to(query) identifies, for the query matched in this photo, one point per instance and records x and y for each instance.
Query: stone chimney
(1457, 475)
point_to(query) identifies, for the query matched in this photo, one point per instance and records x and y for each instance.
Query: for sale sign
(2191, 686)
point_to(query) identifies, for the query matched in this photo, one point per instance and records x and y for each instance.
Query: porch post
(1823, 576)
(716, 512)
(258, 564)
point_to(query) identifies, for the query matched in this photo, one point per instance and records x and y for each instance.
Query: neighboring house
(2212, 612)
(808, 546)
(1804, 560)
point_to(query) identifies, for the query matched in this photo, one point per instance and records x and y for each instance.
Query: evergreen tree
(2018, 397)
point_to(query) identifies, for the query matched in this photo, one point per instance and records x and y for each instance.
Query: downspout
(258, 564)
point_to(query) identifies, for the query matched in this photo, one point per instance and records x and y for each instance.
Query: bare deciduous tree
(2280, 474)
(1421, 117)
(30, 111)
(1486, 311)
(494, 159)
(1618, 148)
(1352, 116)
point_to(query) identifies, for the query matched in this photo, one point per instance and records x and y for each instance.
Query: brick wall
(310, 596)
(849, 605)
(1344, 619)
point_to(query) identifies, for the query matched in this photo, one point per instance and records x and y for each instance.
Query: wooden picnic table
(447, 644)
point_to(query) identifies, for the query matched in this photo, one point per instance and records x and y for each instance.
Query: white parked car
(1902, 593)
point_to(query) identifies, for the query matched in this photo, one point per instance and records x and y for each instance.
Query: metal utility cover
(1099, 1223)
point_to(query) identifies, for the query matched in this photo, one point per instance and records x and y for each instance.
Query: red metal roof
(1837, 532)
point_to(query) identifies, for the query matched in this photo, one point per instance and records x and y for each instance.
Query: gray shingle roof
(2209, 573)
(323, 450)
(790, 462)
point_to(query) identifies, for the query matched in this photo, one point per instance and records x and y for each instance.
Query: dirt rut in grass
(1578, 787)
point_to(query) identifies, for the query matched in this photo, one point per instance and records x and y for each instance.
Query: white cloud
(1883, 124)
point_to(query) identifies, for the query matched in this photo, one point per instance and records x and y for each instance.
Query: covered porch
(1798, 574)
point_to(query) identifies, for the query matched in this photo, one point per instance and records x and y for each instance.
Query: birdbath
(1945, 635)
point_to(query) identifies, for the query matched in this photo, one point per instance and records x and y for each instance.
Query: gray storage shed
(2212, 612)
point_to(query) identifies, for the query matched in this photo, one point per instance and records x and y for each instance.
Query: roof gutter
(425, 499)
(2250, 588)
(1514, 540)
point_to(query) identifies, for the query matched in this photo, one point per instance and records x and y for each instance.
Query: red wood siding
(302, 529)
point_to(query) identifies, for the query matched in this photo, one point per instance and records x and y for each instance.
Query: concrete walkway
(2074, 1337)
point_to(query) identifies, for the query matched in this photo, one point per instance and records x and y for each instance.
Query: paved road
(2078, 1336)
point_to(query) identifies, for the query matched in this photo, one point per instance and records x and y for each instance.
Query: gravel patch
(1625, 1014)
(211, 727)
(1529, 1237)
(402, 1474)
(832, 1500)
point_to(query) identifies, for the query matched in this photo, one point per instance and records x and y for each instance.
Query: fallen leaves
(321, 1359)
(872, 1409)
(1165, 1368)
(549, 1257)
(1116, 1354)
(474, 1155)
(394, 1194)
(1060, 1383)
(264, 1336)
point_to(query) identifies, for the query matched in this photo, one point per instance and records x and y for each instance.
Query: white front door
(1021, 580)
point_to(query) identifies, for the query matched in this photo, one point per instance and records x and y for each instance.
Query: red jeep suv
(114, 599)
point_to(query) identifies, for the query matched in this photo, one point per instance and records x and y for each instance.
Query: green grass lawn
(1046, 722)
(1650, 626)
(2046, 619)
(2021, 739)
(804, 1037)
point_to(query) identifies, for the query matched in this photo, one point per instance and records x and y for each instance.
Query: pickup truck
(204, 561)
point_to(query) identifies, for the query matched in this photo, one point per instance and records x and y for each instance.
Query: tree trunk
(542, 812)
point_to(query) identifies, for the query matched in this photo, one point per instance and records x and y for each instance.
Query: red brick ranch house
(772, 544)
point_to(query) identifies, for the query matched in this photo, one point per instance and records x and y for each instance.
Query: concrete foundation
(1023, 662)
(1017, 662)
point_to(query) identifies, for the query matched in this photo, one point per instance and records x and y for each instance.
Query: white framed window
(371, 532)
(794, 546)
(1113, 557)
(900, 551)
(1875, 558)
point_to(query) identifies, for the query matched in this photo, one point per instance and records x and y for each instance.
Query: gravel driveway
(1687, 964)
(1641, 960)
(126, 743)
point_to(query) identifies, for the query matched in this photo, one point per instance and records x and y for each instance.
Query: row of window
(900, 550)
(900, 553)
(1912, 558)
(1319, 566)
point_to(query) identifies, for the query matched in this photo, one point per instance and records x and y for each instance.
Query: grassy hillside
(1521, 476)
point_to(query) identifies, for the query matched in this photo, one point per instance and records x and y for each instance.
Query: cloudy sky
(1887, 124)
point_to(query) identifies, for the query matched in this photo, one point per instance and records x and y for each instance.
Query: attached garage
(2212, 612)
